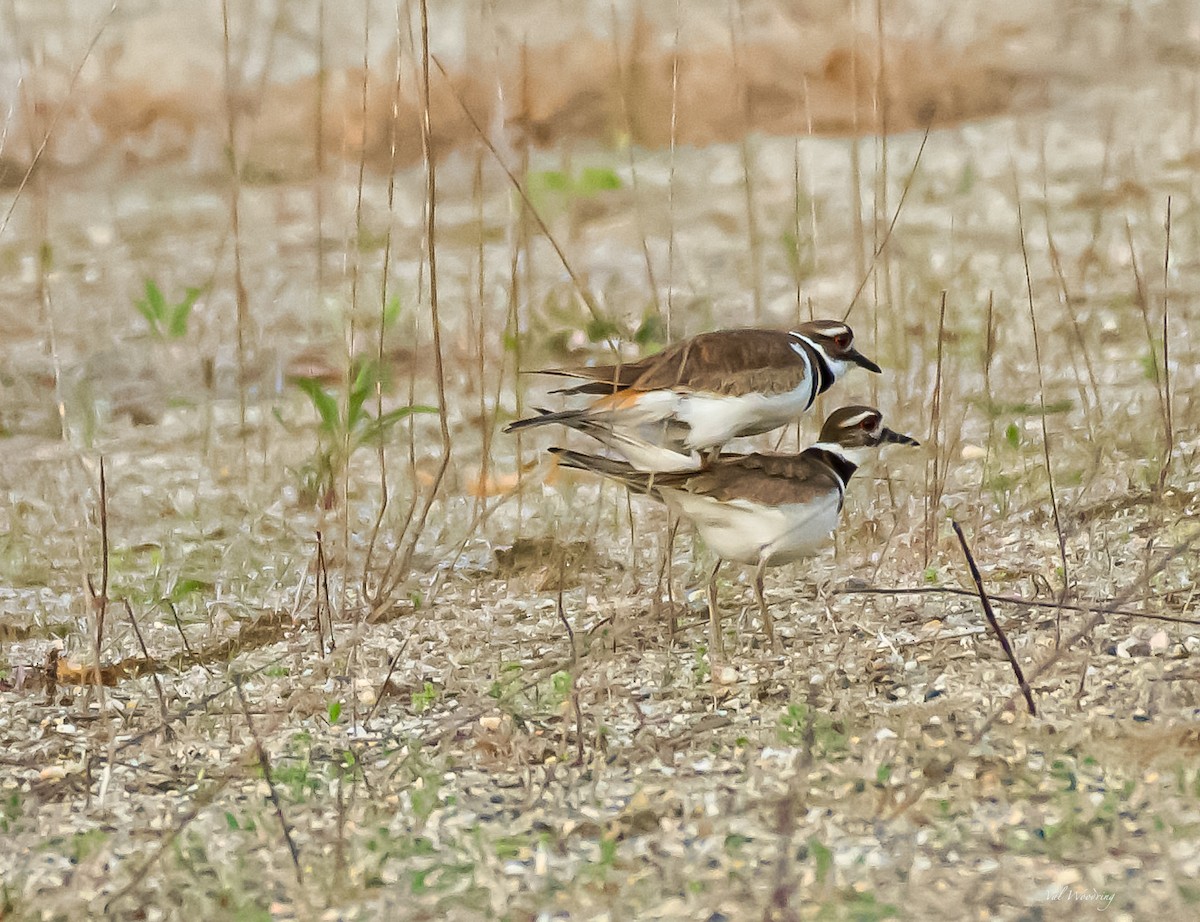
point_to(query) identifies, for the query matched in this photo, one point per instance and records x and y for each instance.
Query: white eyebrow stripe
(852, 421)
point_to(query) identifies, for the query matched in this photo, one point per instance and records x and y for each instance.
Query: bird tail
(570, 418)
(643, 454)
(612, 468)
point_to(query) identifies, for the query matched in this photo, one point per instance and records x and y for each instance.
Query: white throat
(857, 456)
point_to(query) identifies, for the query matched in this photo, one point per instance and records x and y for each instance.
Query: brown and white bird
(760, 509)
(667, 411)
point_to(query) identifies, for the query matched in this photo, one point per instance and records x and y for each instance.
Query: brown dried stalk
(912, 174)
(242, 298)
(576, 282)
(265, 764)
(1013, 600)
(1168, 422)
(162, 698)
(991, 619)
(398, 566)
(1037, 355)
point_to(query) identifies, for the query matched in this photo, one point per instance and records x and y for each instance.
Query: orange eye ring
(842, 340)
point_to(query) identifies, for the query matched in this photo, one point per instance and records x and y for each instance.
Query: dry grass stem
(991, 619)
(1037, 356)
(264, 763)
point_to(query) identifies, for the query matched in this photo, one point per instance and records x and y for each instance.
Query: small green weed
(424, 699)
(343, 427)
(10, 812)
(554, 190)
(166, 320)
(829, 737)
(822, 857)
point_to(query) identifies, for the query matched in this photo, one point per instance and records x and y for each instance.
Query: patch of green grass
(1151, 363)
(822, 858)
(424, 799)
(605, 861)
(561, 686)
(10, 813)
(344, 426)
(734, 842)
(552, 191)
(506, 687)
(1012, 435)
(166, 319)
(424, 699)
(859, 907)
(78, 846)
(140, 575)
(829, 736)
(295, 776)
(800, 252)
(998, 409)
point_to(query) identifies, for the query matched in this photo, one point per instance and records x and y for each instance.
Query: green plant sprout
(345, 428)
(166, 320)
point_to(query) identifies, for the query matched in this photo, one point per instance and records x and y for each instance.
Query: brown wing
(772, 480)
(728, 362)
(602, 379)
(724, 362)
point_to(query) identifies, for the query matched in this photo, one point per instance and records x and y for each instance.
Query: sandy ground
(519, 719)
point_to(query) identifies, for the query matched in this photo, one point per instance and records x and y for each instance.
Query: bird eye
(842, 340)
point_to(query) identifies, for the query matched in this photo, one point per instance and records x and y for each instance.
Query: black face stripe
(822, 375)
(825, 376)
(841, 466)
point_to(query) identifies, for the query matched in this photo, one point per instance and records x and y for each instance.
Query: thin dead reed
(241, 295)
(581, 290)
(627, 75)
(1037, 358)
(264, 763)
(384, 298)
(400, 563)
(935, 473)
(163, 711)
(991, 619)
(1155, 368)
(869, 269)
(1168, 416)
(746, 155)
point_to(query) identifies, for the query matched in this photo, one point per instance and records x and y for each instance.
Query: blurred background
(213, 219)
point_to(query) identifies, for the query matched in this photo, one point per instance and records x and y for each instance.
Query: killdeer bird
(665, 412)
(760, 509)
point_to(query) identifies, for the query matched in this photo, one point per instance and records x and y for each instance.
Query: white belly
(746, 532)
(714, 420)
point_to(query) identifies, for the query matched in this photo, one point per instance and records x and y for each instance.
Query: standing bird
(667, 411)
(760, 509)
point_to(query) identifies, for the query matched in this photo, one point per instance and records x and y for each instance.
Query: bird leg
(664, 576)
(715, 643)
(768, 624)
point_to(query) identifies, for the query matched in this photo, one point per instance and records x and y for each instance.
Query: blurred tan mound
(803, 77)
